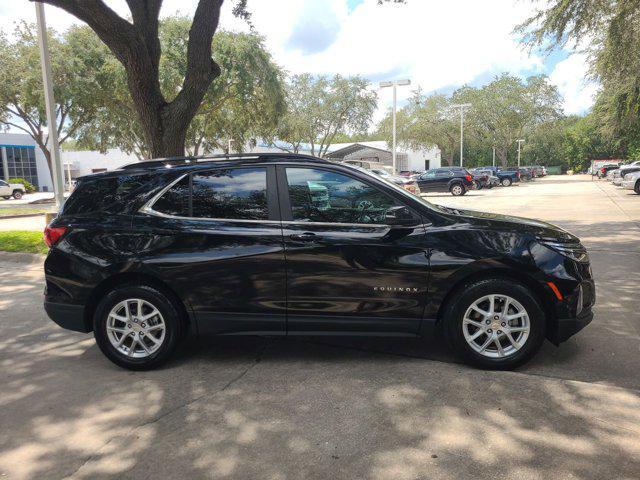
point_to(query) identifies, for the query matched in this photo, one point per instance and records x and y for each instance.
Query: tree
(164, 119)
(319, 108)
(609, 31)
(424, 122)
(506, 109)
(74, 67)
(501, 113)
(245, 101)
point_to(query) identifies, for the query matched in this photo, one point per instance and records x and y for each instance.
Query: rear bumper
(70, 317)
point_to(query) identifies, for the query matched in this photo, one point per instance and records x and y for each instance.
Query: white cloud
(437, 44)
(570, 77)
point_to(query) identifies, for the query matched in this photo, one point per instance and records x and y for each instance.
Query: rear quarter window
(105, 195)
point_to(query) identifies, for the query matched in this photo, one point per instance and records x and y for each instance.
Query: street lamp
(520, 142)
(394, 84)
(50, 104)
(462, 107)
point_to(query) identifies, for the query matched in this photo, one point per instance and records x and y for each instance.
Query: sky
(438, 44)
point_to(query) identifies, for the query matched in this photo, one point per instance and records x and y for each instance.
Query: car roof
(207, 161)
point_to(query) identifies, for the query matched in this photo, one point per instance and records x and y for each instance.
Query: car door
(4, 189)
(221, 248)
(347, 270)
(427, 180)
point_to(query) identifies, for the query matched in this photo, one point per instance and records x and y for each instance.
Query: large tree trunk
(137, 46)
(502, 156)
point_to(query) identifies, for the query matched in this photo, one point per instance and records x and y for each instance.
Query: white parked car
(8, 190)
(631, 181)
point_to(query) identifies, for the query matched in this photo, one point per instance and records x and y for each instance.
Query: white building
(379, 152)
(20, 157)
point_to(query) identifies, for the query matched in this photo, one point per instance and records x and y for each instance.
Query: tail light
(52, 235)
(468, 177)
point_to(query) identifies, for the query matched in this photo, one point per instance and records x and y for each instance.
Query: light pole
(50, 104)
(494, 156)
(461, 106)
(520, 142)
(394, 84)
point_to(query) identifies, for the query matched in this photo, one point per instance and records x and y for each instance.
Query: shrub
(28, 187)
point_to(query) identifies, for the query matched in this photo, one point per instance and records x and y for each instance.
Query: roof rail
(178, 161)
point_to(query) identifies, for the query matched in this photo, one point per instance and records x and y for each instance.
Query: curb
(22, 257)
(26, 215)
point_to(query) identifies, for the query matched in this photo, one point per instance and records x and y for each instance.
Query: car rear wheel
(137, 327)
(7, 197)
(637, 187)
(506, 182)
(17, 194)
(495, 324)
(457, 189)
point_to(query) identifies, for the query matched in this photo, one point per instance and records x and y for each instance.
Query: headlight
(574, 251)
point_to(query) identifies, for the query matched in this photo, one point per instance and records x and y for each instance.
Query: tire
(6, 197)
(521, 300)
(636, 188)
(457, 189)
(17, 194)
(505, 182)
(151, 354)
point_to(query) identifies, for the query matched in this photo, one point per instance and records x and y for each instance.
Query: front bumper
(67, 316)
(629, 184)
(564, 328)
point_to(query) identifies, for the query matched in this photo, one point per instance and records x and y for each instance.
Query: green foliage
(501, 112)
(244, 102)
(74, 71)
(320, 108)
(609, 31)
(28, 187)
(22, 241)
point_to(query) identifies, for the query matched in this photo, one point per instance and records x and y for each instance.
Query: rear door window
(175, 201)
(235, 194)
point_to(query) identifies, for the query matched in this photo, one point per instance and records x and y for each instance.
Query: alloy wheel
(496, 326)
(135, 328)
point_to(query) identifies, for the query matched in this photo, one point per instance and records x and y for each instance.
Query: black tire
(17, 194)
(506, 182)
(457, 189)
(636, 188)
(170, 314)
(454, 312)
(7, 197)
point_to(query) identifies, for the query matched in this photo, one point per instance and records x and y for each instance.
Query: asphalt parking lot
(317, 408)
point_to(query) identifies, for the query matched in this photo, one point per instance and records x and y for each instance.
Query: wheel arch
(131, 278)
(544, 296)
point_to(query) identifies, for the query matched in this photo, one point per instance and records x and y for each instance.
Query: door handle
(304, 237)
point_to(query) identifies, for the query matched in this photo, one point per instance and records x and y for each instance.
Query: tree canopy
(320, 108)
(244, 102)
(75, 66)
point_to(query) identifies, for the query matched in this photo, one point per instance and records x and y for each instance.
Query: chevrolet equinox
(278, 244)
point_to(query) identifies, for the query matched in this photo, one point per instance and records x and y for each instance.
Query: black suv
(294, 245)
(455, 180)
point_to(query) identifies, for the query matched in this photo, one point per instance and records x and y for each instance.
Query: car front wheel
(17, 194)
(637, 188)
(457, 189)
(137, 327)
(494, 324)
(506, 182)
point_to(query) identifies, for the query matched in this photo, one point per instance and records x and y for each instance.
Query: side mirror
(400, 216)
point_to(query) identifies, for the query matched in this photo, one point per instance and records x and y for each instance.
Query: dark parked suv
(294, 245)
(455, 180)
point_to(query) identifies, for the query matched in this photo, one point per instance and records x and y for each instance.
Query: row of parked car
(459, 180)
(626, 175)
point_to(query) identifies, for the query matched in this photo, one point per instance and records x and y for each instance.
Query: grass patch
(10, 211)
(22, 241)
